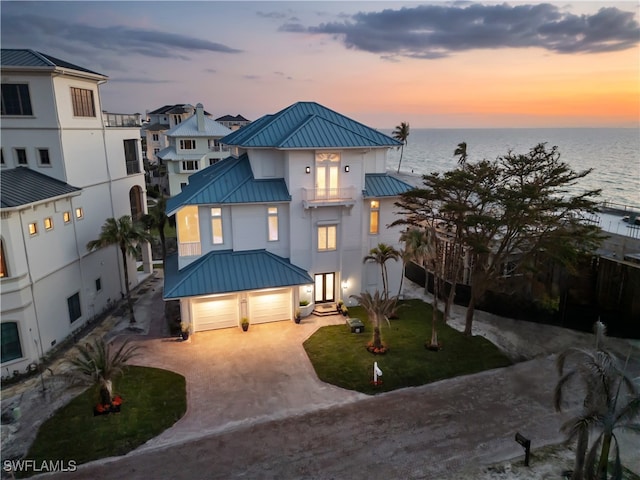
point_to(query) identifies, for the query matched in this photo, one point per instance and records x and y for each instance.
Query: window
(131, 156)
(48, 223)
(33, 228)
(11, 348)
(3, 264)
(98, 284)
(188, 144)
(374, 217)
(326, 238)
(156, 151)
(73, 303)
(216, 226)
(16, 99)
(79, 213)
(272, 220)
(1, 156)
(190, 165)
(21, 156)
(182, 185)
(43, 155)
(177, 119)
(82, 100)
(213, 161)
(155, 137)
(66, 217)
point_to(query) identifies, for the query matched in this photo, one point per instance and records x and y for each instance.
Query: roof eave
(26, 206)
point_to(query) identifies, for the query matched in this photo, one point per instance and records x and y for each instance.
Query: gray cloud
(435, 31)
(16, 29)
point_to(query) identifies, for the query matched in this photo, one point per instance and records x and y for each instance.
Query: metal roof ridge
(42, 57)
(249, 178)
(310, 117)
(192, 268)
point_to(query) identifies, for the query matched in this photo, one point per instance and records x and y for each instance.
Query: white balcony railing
(219, 148)
(189, 249)
(316, 197)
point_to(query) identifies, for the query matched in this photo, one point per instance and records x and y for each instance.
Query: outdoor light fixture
(308, 289)
(308, 169)
(345, 284)
(346, 168)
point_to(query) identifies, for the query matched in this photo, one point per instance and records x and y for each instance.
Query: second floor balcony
(328, 197)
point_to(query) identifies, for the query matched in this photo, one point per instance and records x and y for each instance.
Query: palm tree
(602, 380)
(381, 255)
(97, 364)
(126, 235)
(401, 133)
(461, 151)
(157, 218)
(378, 307)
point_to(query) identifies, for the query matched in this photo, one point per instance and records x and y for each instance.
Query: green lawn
(153, 400)
(340, 357)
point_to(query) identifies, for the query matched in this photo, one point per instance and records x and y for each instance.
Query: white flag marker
(376, 373)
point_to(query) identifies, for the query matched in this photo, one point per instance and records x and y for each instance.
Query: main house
(287, 218)
(66, 166)
(194, 144)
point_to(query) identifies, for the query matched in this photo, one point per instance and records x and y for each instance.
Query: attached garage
(270, 305)
(215, 312)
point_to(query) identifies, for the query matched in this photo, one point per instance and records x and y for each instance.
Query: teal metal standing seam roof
(383, 185)
(229, 181)
(10, 57)
(308, 125)
(227, 271)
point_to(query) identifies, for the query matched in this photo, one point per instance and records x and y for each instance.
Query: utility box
(356, 325)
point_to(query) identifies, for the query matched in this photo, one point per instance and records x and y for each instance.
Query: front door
(325, 286)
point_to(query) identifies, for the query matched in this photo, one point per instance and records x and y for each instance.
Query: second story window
(272, 218)
(82, 100)
(131, 156)
(216, 226)
(21, 156)
(374, 217)
(190, 165)
(66, 217)
(43, 155)
(48, 223)
(3, 264)
(327, 238)
(155, 137)
(187, 144)
(16, 99)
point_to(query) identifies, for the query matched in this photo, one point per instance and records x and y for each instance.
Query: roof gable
(229, 181)
(189, 128)
(308, 125)
(22, 186)
(31, 58)
(383, 185)
(228, 271)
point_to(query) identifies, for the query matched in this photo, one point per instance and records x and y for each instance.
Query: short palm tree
(381, 255)
(126, 234)
(157, 218)
(461, 152)
(98, 364)
(378, 307)
(401, 133)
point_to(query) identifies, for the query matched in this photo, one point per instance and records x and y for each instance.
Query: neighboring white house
(233, 122)
(65, 170)
(194, 144)
(288, 218)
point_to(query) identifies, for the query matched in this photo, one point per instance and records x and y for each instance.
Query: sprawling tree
(507, 211)
(98, 364)
(611, 401)
(378, 308)
(126, 235)
(380, 255)
(401, 133)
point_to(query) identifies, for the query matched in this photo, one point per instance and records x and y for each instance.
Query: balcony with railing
(122, 119)
(189, 249)
(328, 197)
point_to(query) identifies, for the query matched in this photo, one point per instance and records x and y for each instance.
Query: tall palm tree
(401, 133)
(381, 255)
(378, 308)
(97, 364)
(605, 385)
(461, 152)
(157, 218)
(126, 235)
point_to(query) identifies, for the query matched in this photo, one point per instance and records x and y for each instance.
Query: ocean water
(612, 153)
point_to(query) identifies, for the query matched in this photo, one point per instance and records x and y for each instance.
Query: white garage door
(215, 312)
(270, 306)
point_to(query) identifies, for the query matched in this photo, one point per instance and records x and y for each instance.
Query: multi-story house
(66, 168)
(158, 122)
(194, 144)
(233, 122)
(287, 218)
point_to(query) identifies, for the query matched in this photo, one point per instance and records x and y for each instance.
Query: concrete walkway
(259, 389)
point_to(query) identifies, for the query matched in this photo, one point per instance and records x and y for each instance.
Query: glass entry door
(325, 286)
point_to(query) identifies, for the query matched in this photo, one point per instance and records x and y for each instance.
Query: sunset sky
(432, 64)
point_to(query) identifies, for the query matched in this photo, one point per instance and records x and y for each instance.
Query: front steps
(325, 309)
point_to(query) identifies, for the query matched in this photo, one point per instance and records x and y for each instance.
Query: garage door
(215, 312)
(270, 306)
